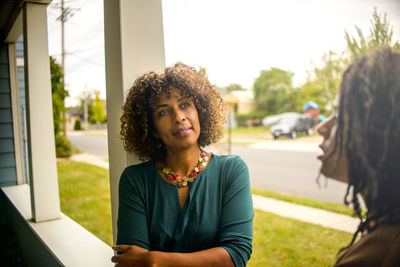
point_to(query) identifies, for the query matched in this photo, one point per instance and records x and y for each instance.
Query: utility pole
(63, 17)
(85, 109)
(66, 13)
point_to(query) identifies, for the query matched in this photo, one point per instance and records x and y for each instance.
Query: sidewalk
(303, 213)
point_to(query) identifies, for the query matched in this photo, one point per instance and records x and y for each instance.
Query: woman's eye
(184, 105)
(162, 113)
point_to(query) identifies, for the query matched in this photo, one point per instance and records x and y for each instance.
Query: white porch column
(43, 173)
(134, 44)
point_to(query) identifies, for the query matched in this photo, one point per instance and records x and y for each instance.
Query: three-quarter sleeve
(236, 230)
(132, 222)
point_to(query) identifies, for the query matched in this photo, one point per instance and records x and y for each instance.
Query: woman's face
(334, 162)
(176, 121)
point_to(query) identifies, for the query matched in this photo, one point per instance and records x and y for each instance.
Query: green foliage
(85, 197)
(274, 92)
(234, 87)
(285, 242)
(324, 82)
(334, 207)
(77, 125)
(99, 115)
(95, 107)
(278, 241)
(63, 147)
(203, 69)
(380, 35)
(322, 86)
(242, 118)
(58, 93)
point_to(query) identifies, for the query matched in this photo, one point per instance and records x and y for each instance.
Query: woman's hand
(131, 256)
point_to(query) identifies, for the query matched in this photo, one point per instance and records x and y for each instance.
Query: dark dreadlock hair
(369, 129)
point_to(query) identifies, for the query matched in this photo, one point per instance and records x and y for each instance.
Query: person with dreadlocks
(361, 145)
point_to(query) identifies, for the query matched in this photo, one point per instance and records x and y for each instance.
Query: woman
(183, 206)
(361, 147)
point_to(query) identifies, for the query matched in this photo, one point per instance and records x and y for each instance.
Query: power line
(80, 51)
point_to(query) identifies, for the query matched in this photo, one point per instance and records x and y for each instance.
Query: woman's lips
(183, 131)
(321, 157)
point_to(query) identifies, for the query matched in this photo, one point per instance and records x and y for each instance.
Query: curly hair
(369, 130)
(137, 126)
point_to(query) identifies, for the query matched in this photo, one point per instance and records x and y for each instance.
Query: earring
(159, 143)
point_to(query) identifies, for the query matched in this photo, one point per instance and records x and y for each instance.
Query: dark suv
(292, 125)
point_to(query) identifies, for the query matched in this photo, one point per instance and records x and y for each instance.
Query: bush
(77, 125)
(249, 119)
(63, 147)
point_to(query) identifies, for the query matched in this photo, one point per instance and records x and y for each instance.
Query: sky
(233, 39)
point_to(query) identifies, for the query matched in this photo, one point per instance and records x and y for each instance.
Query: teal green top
(217, 213)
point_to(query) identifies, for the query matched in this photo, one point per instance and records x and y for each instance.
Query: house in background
(72, 116)
(242, 101)
(29, 198)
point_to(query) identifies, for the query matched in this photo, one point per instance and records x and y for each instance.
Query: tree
(203, 69)
(323, 83)
(59, 93)
(274, 92)
(94, 107)
(85, 99)
(99, 115)
(234, 87)
(380, 35)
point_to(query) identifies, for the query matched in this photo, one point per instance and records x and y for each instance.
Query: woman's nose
(322, 127)
(179, 116)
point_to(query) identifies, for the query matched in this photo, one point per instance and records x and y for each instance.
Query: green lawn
(85, 196)
(278, 241)
(335, 207)
(249, 130)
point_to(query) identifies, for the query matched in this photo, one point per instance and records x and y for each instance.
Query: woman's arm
(136, 256)
(236, 226)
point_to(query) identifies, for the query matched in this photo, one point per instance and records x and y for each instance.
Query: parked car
(273, 119)
(293, 125)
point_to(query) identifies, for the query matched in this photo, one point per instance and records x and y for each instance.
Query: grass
(282, 241)
(335, 207)
(85, 197)
(249, 130)
(278, 241)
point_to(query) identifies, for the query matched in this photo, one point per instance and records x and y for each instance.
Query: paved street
(284, 166)
(291, 172)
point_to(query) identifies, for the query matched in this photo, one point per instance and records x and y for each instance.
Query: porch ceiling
(9, 10)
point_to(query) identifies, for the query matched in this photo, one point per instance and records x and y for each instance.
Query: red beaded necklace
(182, 181)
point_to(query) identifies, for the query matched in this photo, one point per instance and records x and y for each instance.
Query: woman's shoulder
(137, 171)
(143, 166)
(230, 167)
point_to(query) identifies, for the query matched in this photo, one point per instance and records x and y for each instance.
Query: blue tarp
(322, 117)
(310, 104)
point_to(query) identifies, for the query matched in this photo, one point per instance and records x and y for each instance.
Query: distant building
(72, 115)
(242, 101)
